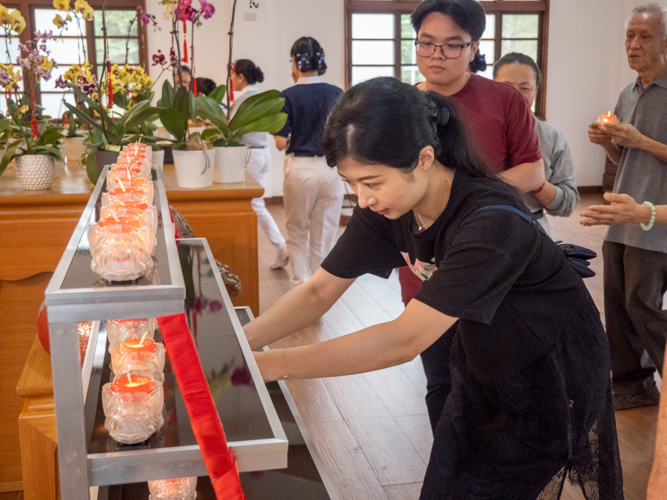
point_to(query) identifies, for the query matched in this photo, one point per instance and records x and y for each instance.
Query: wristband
(540, 188)
(647, 227)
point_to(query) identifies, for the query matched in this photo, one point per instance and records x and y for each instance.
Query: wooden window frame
(497, 7)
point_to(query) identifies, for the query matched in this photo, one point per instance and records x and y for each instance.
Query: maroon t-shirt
(502, 126)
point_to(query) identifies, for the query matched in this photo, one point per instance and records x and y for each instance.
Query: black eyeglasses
(449, 50)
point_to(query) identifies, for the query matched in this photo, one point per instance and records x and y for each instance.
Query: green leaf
(167, 99)
(271, 124)
(4, 124)
(51, 135)
(256, 107)
(208, 134)
(181, 104)
(209, 109)
(174, 123)
(8, 156)
(91, 167)
(218, 94)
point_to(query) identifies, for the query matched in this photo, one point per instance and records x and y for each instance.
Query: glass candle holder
(120, 330)
(607, 118)
(181, 488)
(125, 175)
(136, 167)
(141, 157)
(118, 195)
(119, 223)
(144, 355)
(147, 215)
(119, 252)
(133, 408)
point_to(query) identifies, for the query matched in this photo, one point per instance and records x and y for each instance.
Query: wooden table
(35, 227)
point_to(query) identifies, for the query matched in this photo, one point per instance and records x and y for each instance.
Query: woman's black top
(307, 107)
(508, 284)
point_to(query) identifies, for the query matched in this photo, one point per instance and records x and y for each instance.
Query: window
(381, 39)
(81, 42)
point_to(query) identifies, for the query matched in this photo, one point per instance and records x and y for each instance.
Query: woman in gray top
(245, 77)
(558, 195)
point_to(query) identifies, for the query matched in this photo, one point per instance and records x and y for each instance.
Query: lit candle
(605, 118)
(138, 345)
(119, 330)
(138, 383)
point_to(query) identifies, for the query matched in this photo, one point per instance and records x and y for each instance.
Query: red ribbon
(185, 43)
(110, 84)
(220, 460)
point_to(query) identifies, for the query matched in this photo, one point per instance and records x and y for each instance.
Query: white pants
(313, 194)
(258, 166)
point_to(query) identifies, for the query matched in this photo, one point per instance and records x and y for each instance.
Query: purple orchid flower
(144, 17)
(60, 83)
(207, 9)
(4, 78)
(242, 376)
(159, 58)
(215, 306)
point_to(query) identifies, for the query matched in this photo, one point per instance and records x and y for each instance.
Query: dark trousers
(635, 281)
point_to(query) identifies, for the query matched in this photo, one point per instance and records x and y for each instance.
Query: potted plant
(73, 140)
(106, 135)
(34, 153)
(193, 158)
(258, 113)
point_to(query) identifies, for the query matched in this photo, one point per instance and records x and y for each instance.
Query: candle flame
(114, 216)
(121, 184)
(143, 337)
(129, 377)
(128, 172)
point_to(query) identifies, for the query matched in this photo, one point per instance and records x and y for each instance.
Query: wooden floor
(372, 430)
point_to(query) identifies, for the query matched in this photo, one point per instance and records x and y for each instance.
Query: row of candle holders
(122, 241)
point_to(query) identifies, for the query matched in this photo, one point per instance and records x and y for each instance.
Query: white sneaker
(281, 260)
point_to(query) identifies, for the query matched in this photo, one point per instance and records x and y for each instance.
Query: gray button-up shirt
(640, 174)
(558, 170)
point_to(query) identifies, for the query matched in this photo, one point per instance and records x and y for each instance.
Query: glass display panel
(488, 49)
(117, 21)
(406, 27)
(411, 75)
(490, 31)
(117, 50)
(44, 22)
(408, 52)
(53, 104)
(528, 47)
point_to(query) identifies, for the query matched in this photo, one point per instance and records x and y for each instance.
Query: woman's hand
(623, 209)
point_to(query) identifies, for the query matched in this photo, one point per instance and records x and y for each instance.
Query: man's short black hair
(518, 58)
(468, 14)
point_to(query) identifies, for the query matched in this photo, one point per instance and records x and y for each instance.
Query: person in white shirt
(245, 77)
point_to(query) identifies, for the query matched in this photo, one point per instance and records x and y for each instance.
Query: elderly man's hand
(623, 209)
(657, 484)
(624, 134)
(596, 135)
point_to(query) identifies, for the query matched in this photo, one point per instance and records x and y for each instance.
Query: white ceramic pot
(194, 169)
(59, 166)
(75, 150)
(230, 164)
(34, 172)
(157, 159)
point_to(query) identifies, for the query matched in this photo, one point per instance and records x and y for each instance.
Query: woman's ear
(426, 160)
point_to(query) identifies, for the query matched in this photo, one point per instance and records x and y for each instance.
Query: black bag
(577, 256)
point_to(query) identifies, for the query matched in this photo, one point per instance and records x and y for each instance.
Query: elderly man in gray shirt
(558, 195)
(635, 256)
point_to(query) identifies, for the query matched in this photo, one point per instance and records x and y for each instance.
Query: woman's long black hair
(309, 55)
(384, 121)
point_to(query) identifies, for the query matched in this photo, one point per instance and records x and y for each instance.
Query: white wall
(587, 67)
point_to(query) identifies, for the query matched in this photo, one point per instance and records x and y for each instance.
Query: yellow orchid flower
(18, 23)
(88, 14)
(24, 109)
(4, 15)
(62, 5)
(47, 65)
(59, 21)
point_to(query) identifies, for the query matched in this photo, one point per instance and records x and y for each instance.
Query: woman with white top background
(245, 76)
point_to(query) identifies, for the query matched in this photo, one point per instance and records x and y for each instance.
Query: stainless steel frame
(78, 469)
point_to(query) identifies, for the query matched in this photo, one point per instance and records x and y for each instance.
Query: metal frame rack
(77, 294)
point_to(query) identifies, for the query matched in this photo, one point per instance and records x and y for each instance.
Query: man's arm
(627, 136)
(525, 177)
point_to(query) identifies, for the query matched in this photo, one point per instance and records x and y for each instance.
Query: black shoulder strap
(521, 214)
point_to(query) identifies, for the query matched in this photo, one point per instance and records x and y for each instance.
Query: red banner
(220, 460)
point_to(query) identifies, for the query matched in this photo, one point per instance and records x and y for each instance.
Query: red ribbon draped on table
(220, 460)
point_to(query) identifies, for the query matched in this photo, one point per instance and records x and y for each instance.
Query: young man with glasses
(498, 119)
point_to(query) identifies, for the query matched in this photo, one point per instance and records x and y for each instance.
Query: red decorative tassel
(219, 459)
(194, 85)
(185, 43)
(231, 90)
(110, 85)
(35, 130)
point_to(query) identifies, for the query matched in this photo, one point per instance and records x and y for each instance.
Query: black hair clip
(303, 62)
(443, 117)
(320, 59)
